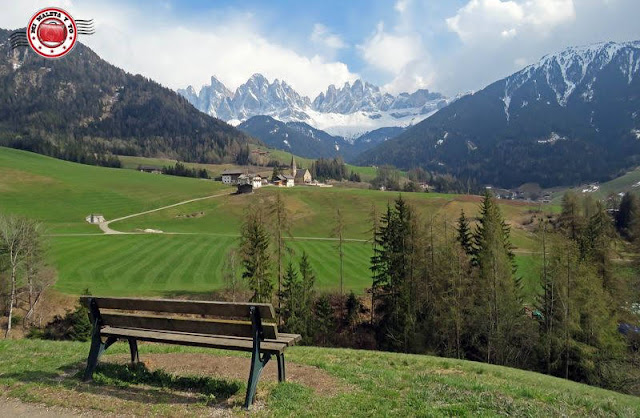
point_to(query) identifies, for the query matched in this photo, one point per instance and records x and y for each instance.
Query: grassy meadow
(188, 258)
(360, 383)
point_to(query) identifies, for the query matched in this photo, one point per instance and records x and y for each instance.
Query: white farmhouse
(231, 176)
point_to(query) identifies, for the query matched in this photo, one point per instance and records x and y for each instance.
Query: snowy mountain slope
(306, 141)
(349, 111)
(570, 118)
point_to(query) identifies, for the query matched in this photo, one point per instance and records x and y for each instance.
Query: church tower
(294, 169)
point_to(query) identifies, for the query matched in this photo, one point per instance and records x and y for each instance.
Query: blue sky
(451, 46)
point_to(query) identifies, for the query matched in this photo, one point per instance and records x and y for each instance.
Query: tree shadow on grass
(135, 383)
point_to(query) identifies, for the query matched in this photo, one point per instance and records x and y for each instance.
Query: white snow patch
(471, 146)
(591, 188)
(636, 132)
(439, 142)
(636, 185)
(337, 146)
(524, 103)
(287, 143)
(553, 138)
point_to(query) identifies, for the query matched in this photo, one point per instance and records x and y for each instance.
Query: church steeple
(294, 169)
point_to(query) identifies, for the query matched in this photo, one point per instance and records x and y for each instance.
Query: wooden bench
(230, 326)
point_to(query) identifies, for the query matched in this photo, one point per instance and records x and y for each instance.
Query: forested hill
(81, 105)
(572, 117)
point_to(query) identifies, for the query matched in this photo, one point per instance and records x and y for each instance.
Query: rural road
(104, 226)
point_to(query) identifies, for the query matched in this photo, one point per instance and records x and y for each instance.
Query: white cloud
(177, 53)
(325, 38)
(483, 20)
(401, 5)
(390, 52)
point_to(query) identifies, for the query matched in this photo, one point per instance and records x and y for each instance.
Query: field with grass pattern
(188, 257)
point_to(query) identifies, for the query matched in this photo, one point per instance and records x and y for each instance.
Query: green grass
(61, 194)
(171, 265)
(365, 384)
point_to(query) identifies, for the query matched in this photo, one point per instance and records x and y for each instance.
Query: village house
(94, 219)
(283, 180)
(149, 169)
(303, 176)
(255, 180)
(231, 176)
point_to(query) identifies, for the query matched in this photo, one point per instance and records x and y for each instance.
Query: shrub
(73, 326)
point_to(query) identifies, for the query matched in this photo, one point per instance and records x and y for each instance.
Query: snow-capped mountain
(306, 141)
(349, 111)
(572, 117)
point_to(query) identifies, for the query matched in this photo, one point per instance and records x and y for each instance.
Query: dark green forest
(83, 109)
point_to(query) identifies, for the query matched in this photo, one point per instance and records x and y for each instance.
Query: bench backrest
(213, 318)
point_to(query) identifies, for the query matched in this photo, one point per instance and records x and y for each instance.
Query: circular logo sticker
(52, 32)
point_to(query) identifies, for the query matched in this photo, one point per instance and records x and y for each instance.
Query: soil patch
(321, 382)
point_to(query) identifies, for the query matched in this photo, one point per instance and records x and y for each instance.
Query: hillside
(321, 382)
(304, 140)
(190, 260)
(80, 105)
(568, 119)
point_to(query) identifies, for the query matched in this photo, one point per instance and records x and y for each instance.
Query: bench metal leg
(133, 347)
(97, 348)
(257, 364)
(281, 370)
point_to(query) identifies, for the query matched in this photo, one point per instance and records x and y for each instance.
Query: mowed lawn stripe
(144, 247)
(206, 269)
(82, 263)
(182, 270)
(144, 276)
(159, 271)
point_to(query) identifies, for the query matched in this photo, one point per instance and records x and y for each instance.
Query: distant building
(245, 188)
(94, 219)
(303, 176)
(149, 169)
(231, 176)
(283, 180)
(255, 180)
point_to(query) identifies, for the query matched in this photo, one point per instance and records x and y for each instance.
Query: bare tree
(15, 235)
(281, 226)
(338, 232)
(230, 270)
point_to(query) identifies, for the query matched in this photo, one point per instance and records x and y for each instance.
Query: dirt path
(104, 226)
(13, 408)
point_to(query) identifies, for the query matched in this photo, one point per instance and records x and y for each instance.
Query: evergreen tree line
(179, 169)
(390, 178)
(73, 151)
(455, 292)
(332, 169)
(271, 273)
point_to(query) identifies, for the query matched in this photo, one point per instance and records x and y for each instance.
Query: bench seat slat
(219, 309)
(237, 344)
(191, 325)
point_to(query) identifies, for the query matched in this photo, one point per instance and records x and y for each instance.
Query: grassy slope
(61, 194)
(370, 384)
(625, 183)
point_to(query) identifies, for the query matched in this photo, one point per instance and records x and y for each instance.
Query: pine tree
(465, 238)
(308, 279)
(292, 300)
(256, 256)
(571, 220)
(627, 216)
(497, 301)
(324, 320)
